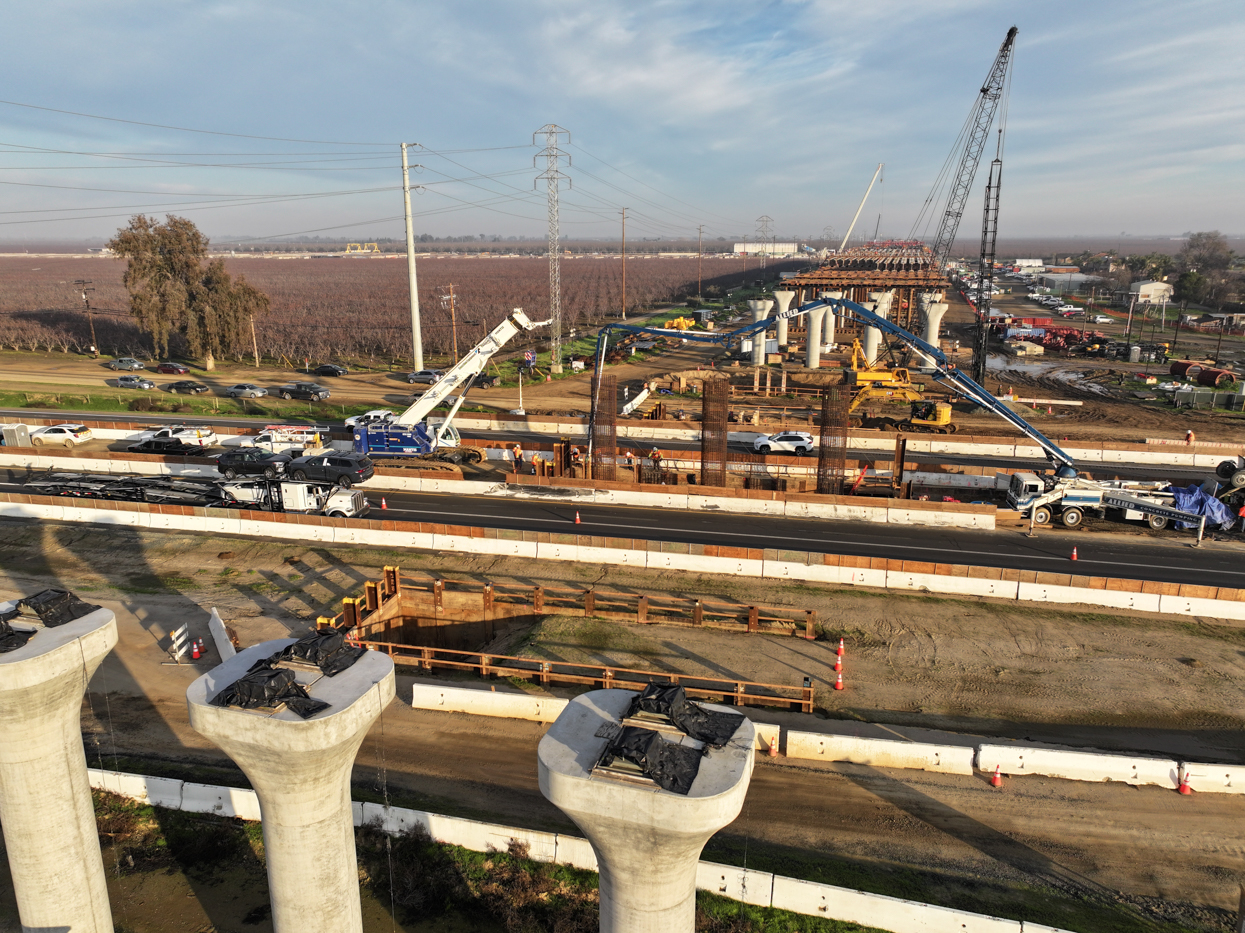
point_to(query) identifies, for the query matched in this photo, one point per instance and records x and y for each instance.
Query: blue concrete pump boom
(945, 371)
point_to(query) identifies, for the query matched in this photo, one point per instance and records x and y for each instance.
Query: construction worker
(1188, 437)
(517, 452)
(576, 456)
(655, 456)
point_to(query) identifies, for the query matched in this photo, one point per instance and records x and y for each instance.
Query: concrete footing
(300, 769)
(45, 795)
(647, 840)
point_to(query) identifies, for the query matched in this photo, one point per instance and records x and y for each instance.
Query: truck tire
(1157, 522)
(230, 473)
(37, 442)
(286, 396)
(1042, 515)
(300, 475)
(336, 514)
(1225, 469)
(951, 428)
(270, 472)
(1238, 479)
(345, 482)
(1072, 518)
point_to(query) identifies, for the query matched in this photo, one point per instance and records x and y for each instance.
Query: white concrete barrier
(487, 703)
(738, 884)
(1018, 760)
(1214, 778)
(752, 887)
(220, 637)
(876, 910)
(222, 801)
(1044, 593)
(881, 753)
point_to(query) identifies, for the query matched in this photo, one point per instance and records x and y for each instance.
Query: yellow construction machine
(876, 383)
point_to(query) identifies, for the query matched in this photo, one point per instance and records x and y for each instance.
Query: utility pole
(417, 340)
(254, 342)
(449, 300)
(700, 250)
(84, 285)
(624, 263)
(1128, 330)
(553, 178)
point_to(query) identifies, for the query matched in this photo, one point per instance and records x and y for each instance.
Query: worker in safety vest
(517, 451)
(1188, 437)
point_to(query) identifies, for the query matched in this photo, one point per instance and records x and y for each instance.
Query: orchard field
(355, 308)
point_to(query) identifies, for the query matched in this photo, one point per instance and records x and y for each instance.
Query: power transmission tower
(553, 178)
(763, 233)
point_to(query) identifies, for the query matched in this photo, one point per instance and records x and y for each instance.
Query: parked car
(1101, 319)
(343, 468)
(252, 461)
(66, 435)
(172, 369)
(796, 442)
(428, 376)
(375, 416)
(168, 446)
(197, 434)
(246, 390)
(134, 382)
(307, 390)
(187, 387)
(330, 369)
(126, 362)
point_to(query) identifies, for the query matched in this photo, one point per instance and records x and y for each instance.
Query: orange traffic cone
(840, 647)
(194, 650)
(1074, 554)
(838, 663)
(383, 503)
(773, 746)
(577, 517)
(1184, 787)
(997, 779)
(838, 684)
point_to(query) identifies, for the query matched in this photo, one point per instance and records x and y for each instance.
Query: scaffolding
(605, 430)
(714, 438)
(833, 442)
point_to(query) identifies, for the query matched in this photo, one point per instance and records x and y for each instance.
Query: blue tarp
(1193, 499)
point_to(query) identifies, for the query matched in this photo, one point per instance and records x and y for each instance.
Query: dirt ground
(914, 663)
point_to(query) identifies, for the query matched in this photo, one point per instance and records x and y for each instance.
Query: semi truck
(1069, 498)
(258, 494)
(411, 434)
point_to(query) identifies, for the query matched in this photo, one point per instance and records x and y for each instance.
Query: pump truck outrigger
(1064, 491)
(412, 435)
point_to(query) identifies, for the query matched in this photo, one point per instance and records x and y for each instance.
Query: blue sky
(1124, 116)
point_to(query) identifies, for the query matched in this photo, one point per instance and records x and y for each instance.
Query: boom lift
(412, 435)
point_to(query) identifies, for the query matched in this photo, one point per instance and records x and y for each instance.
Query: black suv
(169, 446)
(344, 468)
(307, 390)
(254, 461)
(331, 369)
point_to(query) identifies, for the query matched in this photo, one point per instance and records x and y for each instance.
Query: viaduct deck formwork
(908, 268)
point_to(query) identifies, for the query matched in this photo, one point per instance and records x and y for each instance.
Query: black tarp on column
(709, 726)
(672, 767)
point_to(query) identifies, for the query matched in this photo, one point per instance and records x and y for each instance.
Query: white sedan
(796, 442)
(66, 435)
(375, 416)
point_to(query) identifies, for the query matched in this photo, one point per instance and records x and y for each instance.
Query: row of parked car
(342, 468)
(245, 389)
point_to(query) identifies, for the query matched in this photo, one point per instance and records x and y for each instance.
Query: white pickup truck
(283, 438)
(292, 496)
(196, 435)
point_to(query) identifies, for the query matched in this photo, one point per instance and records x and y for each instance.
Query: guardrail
(547, 673)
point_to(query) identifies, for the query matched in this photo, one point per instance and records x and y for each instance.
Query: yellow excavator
(876, 383)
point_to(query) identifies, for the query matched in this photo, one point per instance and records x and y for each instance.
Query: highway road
(1171, 558)
(1138, 471)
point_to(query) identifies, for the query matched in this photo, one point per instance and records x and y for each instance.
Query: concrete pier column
(812, 347)
(647, 839)
(45, 797)
(934, 311)
(300, 769)
(873, 336)
(760, 309)
(828, 322)
(784, 302)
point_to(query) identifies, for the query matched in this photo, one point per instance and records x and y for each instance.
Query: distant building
(1151, 293)
(766, 249)
(1029, 263)
(1068, 281)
